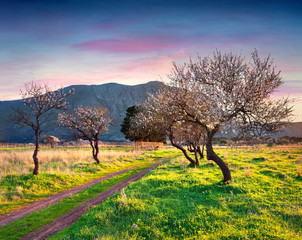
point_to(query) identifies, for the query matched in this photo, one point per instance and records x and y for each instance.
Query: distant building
(52, 140)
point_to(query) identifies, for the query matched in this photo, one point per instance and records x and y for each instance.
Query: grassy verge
(60, 170)
(47, 215)
(176, 202)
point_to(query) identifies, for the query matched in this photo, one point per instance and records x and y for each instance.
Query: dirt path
(71, 217)
(34, 206)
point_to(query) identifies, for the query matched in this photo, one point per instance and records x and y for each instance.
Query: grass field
(60, 169)
(264, 201)
(40, 218)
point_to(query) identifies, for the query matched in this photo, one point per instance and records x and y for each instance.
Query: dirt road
(72, 216)
(34, 206)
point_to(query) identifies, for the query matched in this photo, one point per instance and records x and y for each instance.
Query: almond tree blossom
(224, 91)
(39, 101)
(159, 115)
(87, 123)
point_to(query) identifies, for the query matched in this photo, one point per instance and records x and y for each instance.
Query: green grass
(47, 215)
(19, 189)
(177, 202)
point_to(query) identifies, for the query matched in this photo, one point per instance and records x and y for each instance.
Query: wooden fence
(139, 146)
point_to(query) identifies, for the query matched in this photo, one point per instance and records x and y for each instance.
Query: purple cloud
(139, 44)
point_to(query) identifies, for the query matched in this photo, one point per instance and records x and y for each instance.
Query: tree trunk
(200, 152)
(193, 148)
(95, 150)
(35, 155)
(96, 145)
(196, 156)
(211, 155)
(183, 151)
(196, 148)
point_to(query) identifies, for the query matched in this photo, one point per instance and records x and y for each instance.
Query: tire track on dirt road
(43, 203)
(73, 216)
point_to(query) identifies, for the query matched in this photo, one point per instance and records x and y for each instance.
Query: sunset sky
(130, 42)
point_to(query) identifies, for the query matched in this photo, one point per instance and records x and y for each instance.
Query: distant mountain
(294, 130)
(116, 97)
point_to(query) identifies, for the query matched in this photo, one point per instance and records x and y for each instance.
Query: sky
(71, 42)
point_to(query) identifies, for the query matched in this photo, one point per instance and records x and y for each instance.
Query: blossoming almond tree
(39, 102)
(225, 91)
(87, 123)
(157, 114)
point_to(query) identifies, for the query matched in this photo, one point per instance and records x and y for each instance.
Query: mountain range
(116, 97)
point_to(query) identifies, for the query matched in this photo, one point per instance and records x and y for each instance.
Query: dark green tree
(152, 135)
(130, 113)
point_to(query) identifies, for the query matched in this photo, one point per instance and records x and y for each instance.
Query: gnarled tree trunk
(193, 148)
(200, 151)
(211, 155)
(95, 150)
(195, 163)
(35, 155)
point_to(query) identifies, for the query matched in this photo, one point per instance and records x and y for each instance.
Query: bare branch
(87, 123)
(38, 101)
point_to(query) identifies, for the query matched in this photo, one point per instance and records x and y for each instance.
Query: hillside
(294, 130)
(116, 97)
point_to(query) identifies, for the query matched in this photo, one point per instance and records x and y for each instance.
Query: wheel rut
(72, 216)
(43, 203)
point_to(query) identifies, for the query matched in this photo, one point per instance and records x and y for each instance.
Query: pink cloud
(140, 44)
(202, 42)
